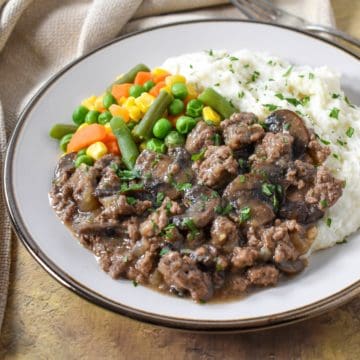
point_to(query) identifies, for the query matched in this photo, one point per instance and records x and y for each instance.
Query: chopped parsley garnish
(233, 58)
(328, 222)
(271, 107)
(183, 186)
(160, 196)
(216, 138)
(245, 214)
(305, 100)
(348, 102)
(130, 200)
(336, 156)
(325, 142)
(203, 197)
(335, 96)
(280, 96)
(268, 189)
(287, 126)
(135, 283)
(190, 66)
(311, 76)
(350, 132)
(242, 178)
(288, 71)
(130, 187)
(340, 142)
(164, 251)
(114, 166)
(189, 223)
(128, 174)
(246, 66)
(168, 206)
(210, 52)
(198, 156)
(218, 267)
(214, 195)
(324, 203)
(343, 241)
(334, 113)
(255, 75)
(241, 94)
(217, 84)
(224, 210)
(201, 301)
(231, 69)
(293, 101)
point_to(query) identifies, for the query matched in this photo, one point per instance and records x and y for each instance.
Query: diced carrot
(142, 77)
(113, 147)
(156, 89)
(117, 110)
(110, 137)
(86, 136)
(159, 78)
(120, 90)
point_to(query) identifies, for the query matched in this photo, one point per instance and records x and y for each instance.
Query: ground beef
(218, 166)
(182, 274)
(300, 173)
(263, 275)
(241, 130)
(109, 183)
(273, 147)
(224, 234)
(237, 284)
(326, 190)
(201, 136)
(317, 152)
(244, 257)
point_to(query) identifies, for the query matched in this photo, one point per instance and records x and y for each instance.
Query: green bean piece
(174, 139)
(213, 99)
(162, 128)
(128, 148)
(179, 90)
(104, 117)
(84, 159)
(143, 130)
(156, 145)
(79, 114)
(184, 124)
(108, 100)
(194, 108)
(92, 117)
(65, 141)
(176, 107)
(136, 90)
(129, 77)
(81, 152)
(60, 130)
(148, 85)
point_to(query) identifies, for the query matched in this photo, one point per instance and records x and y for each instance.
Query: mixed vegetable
(142, 109)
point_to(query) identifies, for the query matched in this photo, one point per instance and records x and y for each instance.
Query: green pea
(84, 159)
(162, 128)
(92, 117)
(179, 90)
(79, 114)
(65, 141)
(176, 107)
(104, 117)
(156, 145)
(81, 152)
(185, 124)
(149, 85)
(173, 139)
(136, 90)
(194, 108)
(108, 100)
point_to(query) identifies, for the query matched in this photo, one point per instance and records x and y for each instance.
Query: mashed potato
(260, 83)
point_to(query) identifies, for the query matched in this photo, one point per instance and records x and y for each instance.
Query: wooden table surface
(46, 321)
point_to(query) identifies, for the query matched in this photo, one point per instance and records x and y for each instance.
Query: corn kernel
(134, 113)
(107, 127)
(211, 115)
(98, 104)
(159, 71)
(96, 150)
(167, 89)
(89, 102)
(173, 79)
(130, 101)
(122, 100)
(82, 126)
(144, 101)
(192, 93)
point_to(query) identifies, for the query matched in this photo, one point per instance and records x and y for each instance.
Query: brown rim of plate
(242, 325)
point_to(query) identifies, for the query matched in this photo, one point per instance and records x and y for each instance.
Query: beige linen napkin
(38, 37)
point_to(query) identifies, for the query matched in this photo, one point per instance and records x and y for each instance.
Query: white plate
(332, 276)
